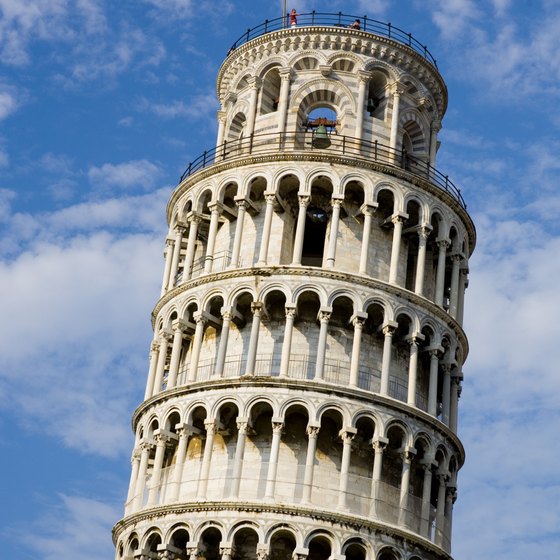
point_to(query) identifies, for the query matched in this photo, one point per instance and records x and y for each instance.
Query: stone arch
(388, 553)
(237, 126)
(283, 539)
(210, 535)
(323, 92)
(321, 544)
(270, 89)
(178, 536)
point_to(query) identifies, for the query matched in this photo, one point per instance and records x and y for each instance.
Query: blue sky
(103, 104)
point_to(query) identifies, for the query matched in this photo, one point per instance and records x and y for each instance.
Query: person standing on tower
(293, 17)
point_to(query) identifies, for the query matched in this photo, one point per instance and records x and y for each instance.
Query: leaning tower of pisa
(306, 364)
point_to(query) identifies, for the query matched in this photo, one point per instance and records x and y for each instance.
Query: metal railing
(302, 366)
(338, 19)
(301, 142)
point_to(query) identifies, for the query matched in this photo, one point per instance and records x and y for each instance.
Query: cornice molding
(354, 522)
(363, 43)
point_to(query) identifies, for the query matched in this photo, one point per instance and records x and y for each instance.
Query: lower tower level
(305, 372)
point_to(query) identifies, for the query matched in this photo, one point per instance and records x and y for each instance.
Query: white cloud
(453, 16)
(8, 104)
(78, 528)
(79, 289)
(139, 173)
(199, 106)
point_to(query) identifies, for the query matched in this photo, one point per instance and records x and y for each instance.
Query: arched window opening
(392, 459)
(237, 128)
(270, 91)
(245, 545)
(329, 444)
(316, 221)
(319, 549)
(282, 546)
(179, 539)
(376, 99)
(319, 125)
(355, 551)
(209, 545)
(153, 542)
(411, 240)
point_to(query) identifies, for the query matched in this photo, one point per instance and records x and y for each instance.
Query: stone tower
(307, 357)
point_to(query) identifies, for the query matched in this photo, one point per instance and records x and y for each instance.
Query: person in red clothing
(293, 17)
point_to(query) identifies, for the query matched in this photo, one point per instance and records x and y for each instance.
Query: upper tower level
(380, 88)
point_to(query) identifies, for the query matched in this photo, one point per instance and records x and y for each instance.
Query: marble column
(367, 210)
(242, 205)
(227, 316)
(179, 327)
(312, 433)
(200, 321)
(456, 379)
(428, 467)
(161, 443)
(216, 208)
(442, 244)
(154, 354)
(221, 115)
(135, 461)
(210, 426)
(407, 457)
(423, 233)
(270, 198)
(255, 85)
(378, 445)
(446, 393)
(165, 339)
(256, 308)
(363, 79)
(347, 435)
(194, 221)
(183, 432)
(397, 220)
(285, 76)
(168, 260)
(388, 330)
(145, 449)
(179, 232)
(433, 382)
(456, 260)
(300, 229)
(413, 368)
(324, 317)
(277, 427)
(242, 427)
(333, 234)
(287, 342)
(358, 322)
(397, 90)
(440, 512)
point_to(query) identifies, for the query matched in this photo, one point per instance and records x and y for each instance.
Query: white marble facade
(306, 366)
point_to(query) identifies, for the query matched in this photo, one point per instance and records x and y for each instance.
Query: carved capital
(379, 444)
(324, 316)
(312, 431)
(256, 307)
(277, 427)
(389, 329)
(304, 200)
(290, 311)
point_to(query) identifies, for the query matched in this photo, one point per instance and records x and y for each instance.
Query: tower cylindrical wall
(308, 348)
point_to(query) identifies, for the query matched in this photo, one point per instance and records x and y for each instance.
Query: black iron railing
(301, 142)
(338, 20)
